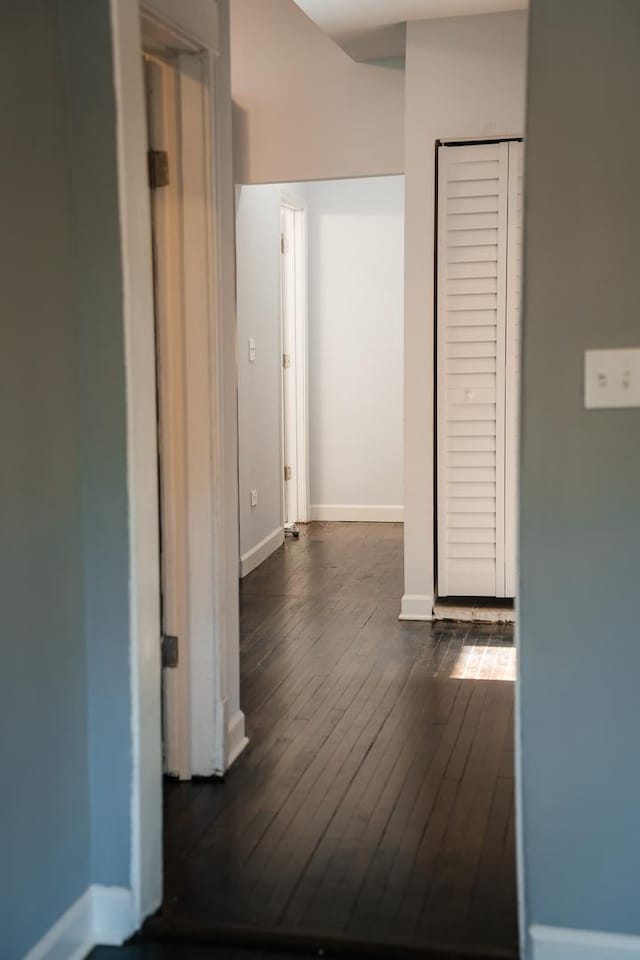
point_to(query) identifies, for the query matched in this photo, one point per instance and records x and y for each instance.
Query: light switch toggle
(611, 378)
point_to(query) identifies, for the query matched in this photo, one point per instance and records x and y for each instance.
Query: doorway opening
(320, 397)
(345, 774)
(203, 725)
(373, 801)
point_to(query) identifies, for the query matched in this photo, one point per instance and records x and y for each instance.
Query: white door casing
(194, 29)
(293, 309)
(161, 88)
(289, 367)
(514, 312)
(477, 308)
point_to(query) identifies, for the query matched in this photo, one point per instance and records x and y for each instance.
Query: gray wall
(580, 505)
(45, 812)
(64, 687)
(91, 120)
(259, 383)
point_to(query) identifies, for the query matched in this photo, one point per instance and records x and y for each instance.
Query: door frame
(217, 736)
(163, 97)
(299, 250)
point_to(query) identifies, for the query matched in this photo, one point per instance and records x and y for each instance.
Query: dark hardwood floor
(179, 950)
(374, 803)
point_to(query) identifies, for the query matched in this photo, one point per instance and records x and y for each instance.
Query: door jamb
(302, 350)
(162, 89)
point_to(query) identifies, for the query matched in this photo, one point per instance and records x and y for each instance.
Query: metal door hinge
(170, 651)
(288, 473)
(158, 168)
(284, 244)
(286, 361)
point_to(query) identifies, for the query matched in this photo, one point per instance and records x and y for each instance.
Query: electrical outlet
(253, 498)
(611, 378)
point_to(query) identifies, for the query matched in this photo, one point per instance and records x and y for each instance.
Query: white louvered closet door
(476, 370)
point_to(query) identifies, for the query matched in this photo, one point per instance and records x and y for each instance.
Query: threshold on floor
(474, 610)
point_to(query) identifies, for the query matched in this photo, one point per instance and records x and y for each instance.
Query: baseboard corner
(560, 943)
(237, 738)
(416, 606)
(113, 915)
(258, 554)
(101, 916)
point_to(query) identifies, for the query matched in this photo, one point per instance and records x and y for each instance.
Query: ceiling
(341, 18)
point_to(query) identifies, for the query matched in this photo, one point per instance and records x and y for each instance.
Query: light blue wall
(64, 680)
(580, 505)
(44, 816)
(91, 121)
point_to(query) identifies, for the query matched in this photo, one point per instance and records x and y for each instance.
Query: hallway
(375, 799)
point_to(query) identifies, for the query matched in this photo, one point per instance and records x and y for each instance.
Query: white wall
(356, 264)
(303, 109)
(465, 78)
(258, 307)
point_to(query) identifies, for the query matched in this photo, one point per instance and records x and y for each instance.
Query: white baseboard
(356, 512)
(558, 943)
(102, 916)
(416, 606)
(71, 937)
(237, 739)
(258, 554)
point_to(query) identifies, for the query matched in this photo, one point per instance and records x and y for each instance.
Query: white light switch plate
(611, 378)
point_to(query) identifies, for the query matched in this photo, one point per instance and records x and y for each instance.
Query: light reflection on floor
(482, 662)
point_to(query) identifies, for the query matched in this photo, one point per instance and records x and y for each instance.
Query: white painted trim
(112, 915)
(70, 937)
(416, 606)
(142, 481)
(300, 268)
(163, 103)
(200, 319)
(254, 557)
(102, 916)
(559, 943)
(515, 221)
(357, 512)
(302, 363)
(471, 614)
(236, 739)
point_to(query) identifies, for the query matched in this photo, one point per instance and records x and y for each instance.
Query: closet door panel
(472, 304)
